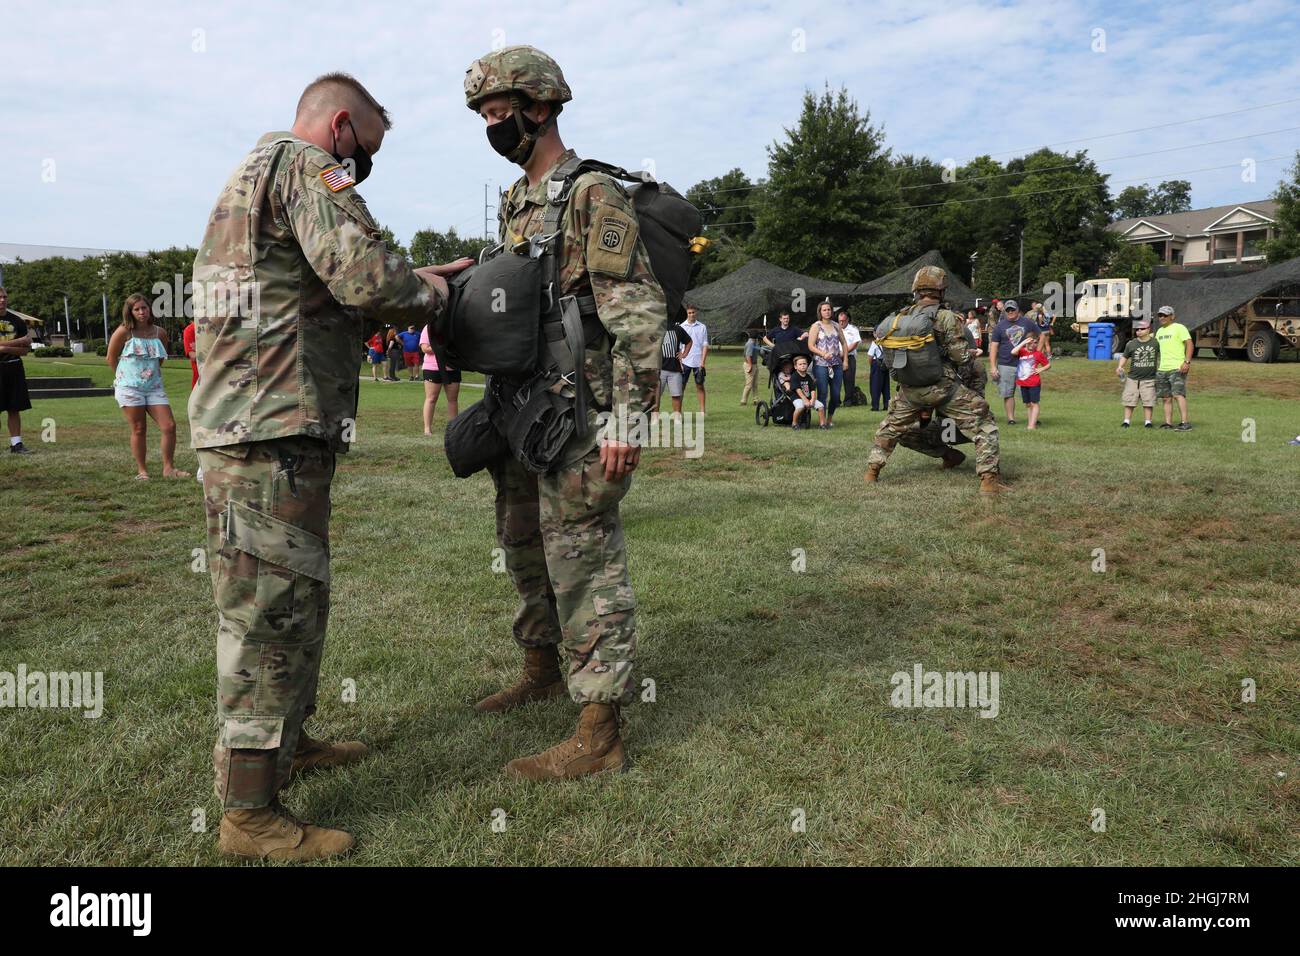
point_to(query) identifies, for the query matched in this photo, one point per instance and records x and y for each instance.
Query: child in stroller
(781, 361)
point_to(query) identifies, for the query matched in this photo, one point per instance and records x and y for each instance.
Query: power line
(1087, 139)
(1039, 192)
(1144, 129)
(1110, 159)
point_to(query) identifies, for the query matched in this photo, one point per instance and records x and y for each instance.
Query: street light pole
(103, 277)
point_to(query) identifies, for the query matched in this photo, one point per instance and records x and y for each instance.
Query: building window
(1253, 243)
(1225, 247)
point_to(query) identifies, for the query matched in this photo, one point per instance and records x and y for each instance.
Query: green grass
(1119, 690)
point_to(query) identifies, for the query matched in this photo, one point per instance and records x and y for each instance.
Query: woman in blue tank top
(135, 354)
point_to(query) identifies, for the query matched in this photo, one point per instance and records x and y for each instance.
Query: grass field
(1119, 690)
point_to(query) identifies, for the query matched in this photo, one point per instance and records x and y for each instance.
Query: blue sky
(121, 122)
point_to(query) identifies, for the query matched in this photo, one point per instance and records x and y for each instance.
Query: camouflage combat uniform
(561, 533)
(948, 398)
(275, 402)
(927, 436)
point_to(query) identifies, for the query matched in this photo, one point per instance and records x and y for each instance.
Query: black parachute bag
(473, 441)
(491, 323)
(666, 221)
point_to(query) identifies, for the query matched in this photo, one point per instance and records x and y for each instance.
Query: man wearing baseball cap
(1176, 350)
(1011, 328)
(1137, 370)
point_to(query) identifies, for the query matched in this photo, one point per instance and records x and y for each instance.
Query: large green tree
(430, 247)
(38, 288)
(1173, 195)
(1286, 245)
(1064, 203)
(1131, 260)
(828, 208)
(726, 204)
(996, 273)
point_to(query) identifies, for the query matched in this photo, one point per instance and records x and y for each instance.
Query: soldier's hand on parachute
(448, 269)
(432, 278)
(619, 459)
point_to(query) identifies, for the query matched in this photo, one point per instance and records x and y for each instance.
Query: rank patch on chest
(337, 178)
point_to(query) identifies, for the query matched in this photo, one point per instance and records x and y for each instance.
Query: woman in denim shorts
(135, 354)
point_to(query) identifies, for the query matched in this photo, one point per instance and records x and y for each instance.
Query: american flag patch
(337, 178)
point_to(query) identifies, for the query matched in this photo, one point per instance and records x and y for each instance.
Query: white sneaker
(198, 476)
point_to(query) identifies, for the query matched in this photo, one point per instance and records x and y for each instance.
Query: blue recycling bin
(1100, 337)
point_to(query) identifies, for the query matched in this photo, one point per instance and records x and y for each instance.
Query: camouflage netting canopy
(1204, 299)
(899, 282)
(741, 299)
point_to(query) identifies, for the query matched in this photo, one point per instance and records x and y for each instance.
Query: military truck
(1251, 316)
(1109, 300)
(1258, 329)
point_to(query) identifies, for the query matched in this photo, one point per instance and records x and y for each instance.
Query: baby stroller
(780, 409)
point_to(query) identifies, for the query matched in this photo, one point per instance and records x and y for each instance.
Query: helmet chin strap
(527, 140)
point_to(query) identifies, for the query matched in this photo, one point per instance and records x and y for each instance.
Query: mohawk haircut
(342, 89)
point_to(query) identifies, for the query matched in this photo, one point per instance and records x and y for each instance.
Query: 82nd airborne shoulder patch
(611, 243)
(337, 178)
(613, 233)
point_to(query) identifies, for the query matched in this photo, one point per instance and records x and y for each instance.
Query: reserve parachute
(505, 316)
(912, 354)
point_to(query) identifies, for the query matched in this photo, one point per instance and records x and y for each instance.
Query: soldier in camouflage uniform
(928, 434)
(946, 399)
(561, 533)
(290, 261)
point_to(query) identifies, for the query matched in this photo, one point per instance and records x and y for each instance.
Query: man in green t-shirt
(1137, 370)
(1175, 359)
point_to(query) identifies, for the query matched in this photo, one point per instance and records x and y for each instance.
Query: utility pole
(487, 236)
(1020, 287)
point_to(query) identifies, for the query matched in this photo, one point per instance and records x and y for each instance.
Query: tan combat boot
(952, 458)
(873, 473)
(595, 748)
(541, 681)
(313, 754)
(270, 833)
(990, 485)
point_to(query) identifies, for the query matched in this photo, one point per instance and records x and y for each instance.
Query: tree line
(836, 203)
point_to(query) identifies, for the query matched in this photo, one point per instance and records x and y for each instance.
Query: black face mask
(359, 162)
(515, 136)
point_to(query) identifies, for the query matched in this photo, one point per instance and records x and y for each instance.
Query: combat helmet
(515, 70)
(930, 279)
(522, 73)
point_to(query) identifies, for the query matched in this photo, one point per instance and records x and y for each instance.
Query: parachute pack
(505, 316)
(912, 354)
